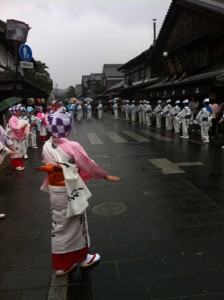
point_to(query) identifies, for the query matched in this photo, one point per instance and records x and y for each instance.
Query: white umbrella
(88, 100)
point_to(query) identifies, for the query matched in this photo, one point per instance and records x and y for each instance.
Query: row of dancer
(180, 116)
(79, 111)
(143, 112)
(176, 117)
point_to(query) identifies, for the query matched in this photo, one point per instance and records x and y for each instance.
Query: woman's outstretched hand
(49, 168)
(112, 178)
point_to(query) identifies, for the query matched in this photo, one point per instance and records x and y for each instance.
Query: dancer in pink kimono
(19, 130)
(42, 126)
(67, 167)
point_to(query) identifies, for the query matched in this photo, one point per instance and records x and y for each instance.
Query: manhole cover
(110, 208)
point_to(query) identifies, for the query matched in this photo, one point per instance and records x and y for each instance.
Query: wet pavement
(160, 230)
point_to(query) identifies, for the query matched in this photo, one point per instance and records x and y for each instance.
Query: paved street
(160, 230)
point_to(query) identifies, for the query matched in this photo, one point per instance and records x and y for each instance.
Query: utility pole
(154, 31)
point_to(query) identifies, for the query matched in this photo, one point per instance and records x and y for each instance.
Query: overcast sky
(77, 37)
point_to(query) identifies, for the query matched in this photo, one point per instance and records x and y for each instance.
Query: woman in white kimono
(67, 165)
(184, 118)
(89, 111)
(100, 110)
(79, 112)
(204, 119)
(166, 113)
(157, 112)
(115, 110)
(174, 112)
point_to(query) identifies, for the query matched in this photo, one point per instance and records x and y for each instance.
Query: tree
(71, 92)
(99, 88)
(40, 76)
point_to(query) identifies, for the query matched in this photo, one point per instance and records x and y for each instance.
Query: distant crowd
(29, 123)
(177, 116)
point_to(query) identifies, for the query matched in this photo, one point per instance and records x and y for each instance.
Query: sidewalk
(25, 269)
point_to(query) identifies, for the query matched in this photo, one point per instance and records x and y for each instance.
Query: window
(2, 56)
(142, 74)
(10, 62)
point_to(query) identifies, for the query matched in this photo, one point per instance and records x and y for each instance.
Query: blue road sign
(25, 52)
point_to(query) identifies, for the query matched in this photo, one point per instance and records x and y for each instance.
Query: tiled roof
(136, 60)
(211, 7)
(85, 78)
(96, 76)
(215, 6)
(215, 74)
(116, 86)
(111, 70)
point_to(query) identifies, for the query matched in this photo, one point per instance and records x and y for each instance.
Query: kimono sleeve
(87, 167)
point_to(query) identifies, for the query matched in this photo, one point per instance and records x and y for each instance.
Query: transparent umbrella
(88, 100)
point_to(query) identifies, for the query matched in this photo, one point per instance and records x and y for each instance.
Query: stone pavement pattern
(167, 244)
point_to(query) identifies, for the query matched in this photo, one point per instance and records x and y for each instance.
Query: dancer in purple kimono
(67, 167)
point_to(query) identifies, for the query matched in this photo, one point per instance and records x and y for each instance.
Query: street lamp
(165, 55)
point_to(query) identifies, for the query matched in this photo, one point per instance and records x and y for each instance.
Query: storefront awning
(203, 77)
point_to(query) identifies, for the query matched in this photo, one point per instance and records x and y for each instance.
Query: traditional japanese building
(12, 79)
(111, 75)
(90, 85)
(187, 58)
(137, 75)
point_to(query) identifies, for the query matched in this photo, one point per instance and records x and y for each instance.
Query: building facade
(187, 58)
(12, 79)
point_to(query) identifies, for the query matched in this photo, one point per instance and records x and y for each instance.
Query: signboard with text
(26, 65)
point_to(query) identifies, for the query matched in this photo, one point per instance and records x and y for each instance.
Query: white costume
(166, 113)
(115, 110)
(133, 111)
(139, 110)
(127, 110)
(157, 112)
(33, 121)
(204, 119)
(148, 114)
(89, 111)
(144, 112)
(100, 110)
(79, 112)
(174, 112)
(184, 118)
